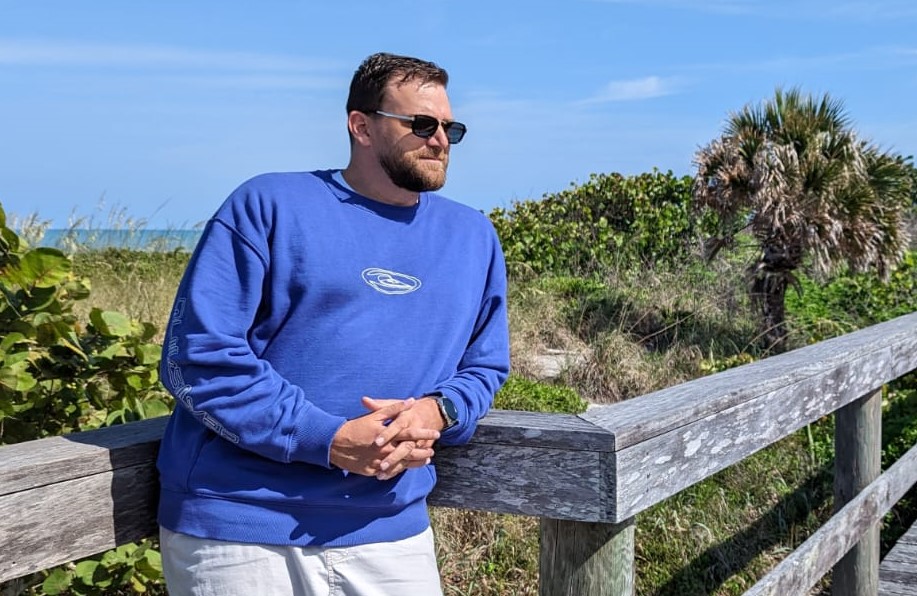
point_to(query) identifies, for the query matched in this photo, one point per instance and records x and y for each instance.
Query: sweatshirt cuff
(311, 442)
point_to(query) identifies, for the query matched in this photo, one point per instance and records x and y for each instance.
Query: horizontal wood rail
(799, 572)
(586, 476)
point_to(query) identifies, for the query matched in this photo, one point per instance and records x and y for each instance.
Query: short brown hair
(367, 88)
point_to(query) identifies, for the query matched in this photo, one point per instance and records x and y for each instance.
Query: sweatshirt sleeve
(485, 364)
(210, 368)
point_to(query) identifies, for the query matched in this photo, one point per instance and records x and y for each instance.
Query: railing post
(858, 460)
(586, 559)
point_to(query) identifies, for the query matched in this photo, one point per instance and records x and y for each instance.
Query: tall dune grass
(114, 228)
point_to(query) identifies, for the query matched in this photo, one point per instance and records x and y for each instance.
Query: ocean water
(152, 240)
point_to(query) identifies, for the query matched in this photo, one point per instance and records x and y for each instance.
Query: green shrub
(850, 302)
(136, 565)
(59, 374)
(126, 262)
(532, 396)
(611, 219)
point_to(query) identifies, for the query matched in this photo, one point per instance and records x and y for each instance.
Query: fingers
(374, 404)
(402, 421)
(392, 463)
(408, 433)
(402, 424)
(405, 455)
(406, 452)
(388, 440)
(385, 409)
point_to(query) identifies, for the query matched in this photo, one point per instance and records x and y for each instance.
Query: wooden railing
(586, 476)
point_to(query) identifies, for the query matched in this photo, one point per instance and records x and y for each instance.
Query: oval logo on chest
(390, 282)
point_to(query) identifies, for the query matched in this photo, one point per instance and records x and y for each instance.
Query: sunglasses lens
(455, 132)
(424, 126)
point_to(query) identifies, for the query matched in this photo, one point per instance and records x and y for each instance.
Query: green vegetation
(58, 373)
(852, 301)
(134, 567)
(135, 283)
(525, 395)
(611, 220)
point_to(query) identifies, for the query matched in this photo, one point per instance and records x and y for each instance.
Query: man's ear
(358, 125)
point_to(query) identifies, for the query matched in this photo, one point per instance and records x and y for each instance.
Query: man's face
(413, 163)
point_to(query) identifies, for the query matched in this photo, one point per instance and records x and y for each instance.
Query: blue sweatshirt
(301, 297)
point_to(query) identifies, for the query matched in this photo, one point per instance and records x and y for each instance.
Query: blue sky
(159, 109)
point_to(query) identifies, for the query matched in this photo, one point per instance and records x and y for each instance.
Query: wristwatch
(447, 410)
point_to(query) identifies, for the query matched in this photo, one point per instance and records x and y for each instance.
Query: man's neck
(378, 189)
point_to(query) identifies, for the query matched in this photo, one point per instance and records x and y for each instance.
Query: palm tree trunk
(768, 291)
(770, 277)
(775, 314)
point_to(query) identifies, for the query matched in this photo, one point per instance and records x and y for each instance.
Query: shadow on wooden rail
(585, 476)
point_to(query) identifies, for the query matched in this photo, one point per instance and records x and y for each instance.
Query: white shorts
(202, 567)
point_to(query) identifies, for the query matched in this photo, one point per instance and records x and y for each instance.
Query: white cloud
(854, 10)
(177, 65)
(635, 89)
(32, 52)
(710, 6)
(885, 9)
(867, 59)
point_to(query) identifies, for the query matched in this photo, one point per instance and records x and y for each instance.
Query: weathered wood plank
(531, 464)
(56, 523)
(642, 418)
(890, 588)
(857, 463)
(57, 459)
(816, 556)
(524, 480)
(909, 537)
(903, 574)
(900, 554)
(537, 429)
(658, 468)
(898, 570)
(580, 558)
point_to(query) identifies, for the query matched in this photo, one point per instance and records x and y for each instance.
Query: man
(331, 326)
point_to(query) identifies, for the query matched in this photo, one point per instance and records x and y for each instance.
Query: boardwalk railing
(586, 476)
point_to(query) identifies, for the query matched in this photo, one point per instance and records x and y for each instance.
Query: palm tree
(793, 172)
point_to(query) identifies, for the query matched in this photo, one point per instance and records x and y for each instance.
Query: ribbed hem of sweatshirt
(238, 521)
(312, 442)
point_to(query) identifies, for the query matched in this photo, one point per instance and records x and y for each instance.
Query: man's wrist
(431, 416)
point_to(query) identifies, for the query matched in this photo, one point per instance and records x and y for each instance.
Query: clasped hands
(395, 435)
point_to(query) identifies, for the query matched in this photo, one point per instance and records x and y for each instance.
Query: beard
(408, 172)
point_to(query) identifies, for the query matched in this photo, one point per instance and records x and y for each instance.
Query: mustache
(435, 153)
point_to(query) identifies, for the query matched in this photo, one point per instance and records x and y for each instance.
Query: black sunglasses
(426, 126)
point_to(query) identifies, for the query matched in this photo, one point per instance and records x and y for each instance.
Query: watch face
(450, 408)
(449, 411)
